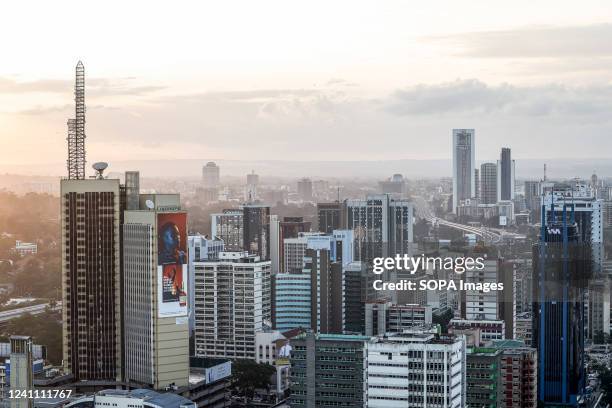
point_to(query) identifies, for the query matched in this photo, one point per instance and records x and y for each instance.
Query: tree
(45, 329)
(249, 376)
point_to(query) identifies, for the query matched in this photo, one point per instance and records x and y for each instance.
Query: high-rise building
(477, 182)
(304, 189)
(228, 226)
(324, 275)
(416, 369)
(358, 290)
(483, 377)
(464, 164)
(518, 373)
(330, 216)
(291, 301)
(21, 373)
(290, 227)
(328, 370)
(200, 248)
(232, 304)
(90, 222)
(488, 183)
(505, 176)
(382, 226)
(155, 300)
(251, 187)
(256, 237)
(210, 175)
(562, 265)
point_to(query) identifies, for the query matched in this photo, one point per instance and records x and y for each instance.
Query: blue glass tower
(562, 267)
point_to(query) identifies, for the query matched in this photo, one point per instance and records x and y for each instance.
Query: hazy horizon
(252, 81)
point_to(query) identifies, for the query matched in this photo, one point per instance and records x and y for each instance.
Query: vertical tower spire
(76, 128)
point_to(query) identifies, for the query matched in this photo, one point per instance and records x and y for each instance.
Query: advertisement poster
(172, 264)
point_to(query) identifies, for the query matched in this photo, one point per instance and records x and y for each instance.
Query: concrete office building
(155, 281)
(464, 164)
(21, 373)
(252, 183)
(483, 377)
(416, 369)
(211, 175)
(256, 227)
(200, 248)
(488, 183)
(138, 398)
(232, 304)
(481, 304)
(304, 189)
(291, 227)
(385, 317)
(331, 216)
(505, 176)
(382, 226)
(91, 287)
(518, 373)
(328, 370)
(228, 226)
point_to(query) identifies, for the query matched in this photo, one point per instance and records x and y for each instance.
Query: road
(493, 235)
(33, 310)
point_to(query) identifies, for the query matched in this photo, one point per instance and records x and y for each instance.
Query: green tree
(45, 329)
(249, 376)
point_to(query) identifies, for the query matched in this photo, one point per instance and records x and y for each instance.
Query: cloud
(533, 42)
(473, 97)
(95, 86)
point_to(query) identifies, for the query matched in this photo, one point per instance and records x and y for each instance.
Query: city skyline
(206, 89)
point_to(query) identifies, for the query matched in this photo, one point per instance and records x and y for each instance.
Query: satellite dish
(100, 166)
(150, 204)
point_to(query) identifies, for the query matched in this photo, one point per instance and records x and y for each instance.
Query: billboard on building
(172, 264)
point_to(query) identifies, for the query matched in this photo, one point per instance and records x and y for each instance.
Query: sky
(307, 80)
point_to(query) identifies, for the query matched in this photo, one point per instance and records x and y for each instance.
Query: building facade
(464, 164)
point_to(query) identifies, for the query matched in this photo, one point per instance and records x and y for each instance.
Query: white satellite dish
(99, 167)
(150, 204)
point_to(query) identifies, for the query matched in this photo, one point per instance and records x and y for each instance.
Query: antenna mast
(76, 128)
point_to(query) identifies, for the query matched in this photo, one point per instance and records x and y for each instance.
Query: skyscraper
(155, 276)
(488, 183)
(210, 175)
(91, 321)
(562, 265)
(464, 164)
(505, 176)
(90, 241)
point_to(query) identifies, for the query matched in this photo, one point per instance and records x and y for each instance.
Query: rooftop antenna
(99, 168)
(76, 128)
